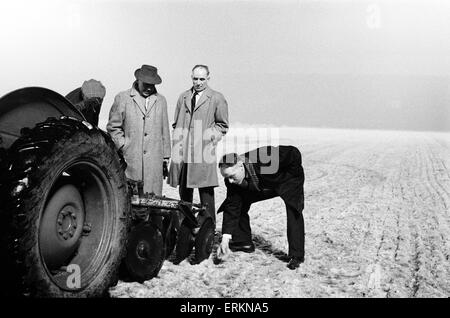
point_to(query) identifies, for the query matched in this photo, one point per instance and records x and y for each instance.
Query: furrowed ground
(377, 219)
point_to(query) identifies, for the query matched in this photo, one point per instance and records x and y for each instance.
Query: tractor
(71, 222)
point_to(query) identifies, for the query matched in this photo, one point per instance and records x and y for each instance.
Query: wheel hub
(142, 250)
(67, 222)
(61, 226)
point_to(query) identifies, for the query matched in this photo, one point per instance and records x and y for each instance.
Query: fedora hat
(148, 74)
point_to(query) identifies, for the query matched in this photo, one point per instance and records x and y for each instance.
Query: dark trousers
(206, 194)
(295, 223)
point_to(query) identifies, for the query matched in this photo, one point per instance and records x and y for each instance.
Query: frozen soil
(377, 219)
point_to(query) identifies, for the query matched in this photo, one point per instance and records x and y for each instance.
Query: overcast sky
(343, 63)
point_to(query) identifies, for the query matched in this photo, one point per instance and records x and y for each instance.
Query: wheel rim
(204, 241)
(171, 239)
(209, 242)
(184, 244)
(81, 223)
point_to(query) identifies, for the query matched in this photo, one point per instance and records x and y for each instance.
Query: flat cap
(93, 88)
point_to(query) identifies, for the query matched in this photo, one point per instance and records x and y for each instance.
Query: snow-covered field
(377, 220)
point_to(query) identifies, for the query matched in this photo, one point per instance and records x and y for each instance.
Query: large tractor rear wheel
(184, 243)
(65, 221)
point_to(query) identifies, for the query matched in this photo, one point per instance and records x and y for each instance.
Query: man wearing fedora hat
(139, 126)
(201, 119)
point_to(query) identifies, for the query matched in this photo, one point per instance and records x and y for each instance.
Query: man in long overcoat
(139, 126)
(201, 119)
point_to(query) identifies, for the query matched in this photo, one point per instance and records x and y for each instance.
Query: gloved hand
(165, 168)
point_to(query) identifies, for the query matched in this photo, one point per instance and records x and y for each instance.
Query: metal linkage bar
(153, 201)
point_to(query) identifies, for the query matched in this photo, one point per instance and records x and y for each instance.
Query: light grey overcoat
(143, 135)
(195, 138)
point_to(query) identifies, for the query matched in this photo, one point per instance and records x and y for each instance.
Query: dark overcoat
(274, 170)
